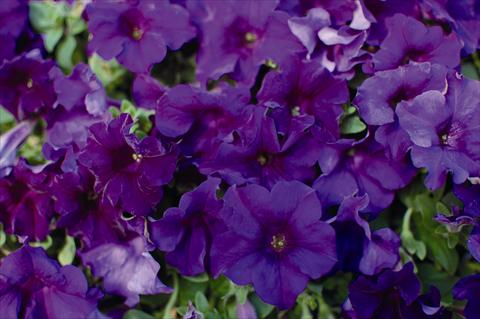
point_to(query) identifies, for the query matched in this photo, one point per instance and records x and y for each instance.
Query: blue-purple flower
(237, 37)
(127, 269)
(137, 33)
(129, 172)
(185, 232)
(445, 131)
(32, 285)
(274, 240)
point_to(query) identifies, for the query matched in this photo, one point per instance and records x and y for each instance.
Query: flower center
(250, 37)
(137, 157)
(29, 83)
(263, 159)
(137, 33)
(278, 242)
(295, 111)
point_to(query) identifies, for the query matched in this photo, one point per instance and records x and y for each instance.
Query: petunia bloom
(445, 131)
(201, 119)
(410, 40)
(358, 248)
(237, 37)
(379, 95)
(26, 88)
(305, 87)
(129, 172)
(137, 33)
(184, 232)
(274, 240)
(32, 285)
(25, 206)
(469, 288)
(361, 167)
(81, 101)
(387, 295)
(264, 155)
(82, 213)
(127, 269)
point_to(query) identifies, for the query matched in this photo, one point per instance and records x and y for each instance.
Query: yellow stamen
(137, 157)
(278, 242)
(250, 37)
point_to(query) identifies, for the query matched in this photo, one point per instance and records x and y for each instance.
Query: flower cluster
(285, 161)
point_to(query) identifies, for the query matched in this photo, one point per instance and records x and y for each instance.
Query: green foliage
(351, 122)
(59, 23)
(67, 253)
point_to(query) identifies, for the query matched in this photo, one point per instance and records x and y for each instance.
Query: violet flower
(147, 91)
(25, 206)
(237, 37)
(358, 248)
(274, 240)
(263, 155)
(129, 172)
(32, 285)
(379, 95)
(469, 288)
(360, 168)
(127, 269)
(25, 85)
(81, 101)
(201, 119)
(184, 232)
(137, 33)
(305, 87)
(445, 131)
(410, 40)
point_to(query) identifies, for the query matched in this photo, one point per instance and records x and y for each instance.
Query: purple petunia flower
(14, 16)
(25, 85)
(387, 295)
(184, 232)
(340, 11)
(34, 286)
(469, 288)
(137, 33)
(305, 87)
(410, 40)
(25, 207)
(81, 101)
(202, 119)
(83, 214)
(338, 49)
(360, 167)
(462, 16)
(377, 12)
(379, 95)
(358, 248)
(237, 37)
(127, 269)
(129, 172)
(263, 155)
(445, 131)
(274, 240)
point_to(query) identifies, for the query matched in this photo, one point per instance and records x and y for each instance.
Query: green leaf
(261, 308)
(44, 244)
(438, 249)
(469, 70)
(201, 302)
(3, 237)
(241, 294)
(46, 15)
(5, 116)
(352, 125)
(65, 51)
(199, 279)
(413, 246)
(137, 314)
(106, 71)
(67, 254)
(51, 38)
